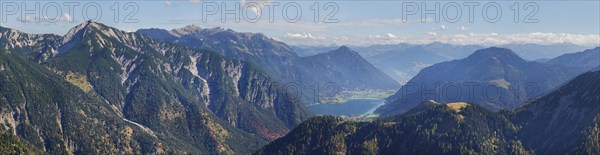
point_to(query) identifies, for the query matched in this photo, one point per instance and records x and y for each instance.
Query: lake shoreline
(353, 107)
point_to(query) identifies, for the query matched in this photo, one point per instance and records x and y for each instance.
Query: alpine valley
(101, 90)
(565, 121)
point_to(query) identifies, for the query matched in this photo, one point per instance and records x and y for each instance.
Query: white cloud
(462, 28)
(255, 10)
(443, 27)
(536, 37)
(169, 3)
(302, 36)
(311, 39)
(68, 17)
(458, 39)
(390, 35)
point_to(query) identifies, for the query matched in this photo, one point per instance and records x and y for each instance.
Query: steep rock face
(277, 59)
(247, 98)
(44, 110)
(158, 34)
(271, 55)
(495, 78)
(38, 47)
(195, 99)
(557, 122)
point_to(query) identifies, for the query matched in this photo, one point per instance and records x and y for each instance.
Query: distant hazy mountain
(495, 78)
(374, 50)
(403, 64)
(565, 121)
(278, 59)
(345, 67)
(403, 61)
(192, 100)
(399, 61)
(304, 51)
(586, 60)
(365, 51)
(530, 51)
(542, 60)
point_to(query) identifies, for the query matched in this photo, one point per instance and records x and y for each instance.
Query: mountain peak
(91, 21)
(188, 29)
(83, 26)
(80, 31)
(344, 52)
(423, 106)
(495, 53)
(436, 43)
(344, 48)
(75, 34)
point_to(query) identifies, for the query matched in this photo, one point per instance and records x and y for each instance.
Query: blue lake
(351, 107)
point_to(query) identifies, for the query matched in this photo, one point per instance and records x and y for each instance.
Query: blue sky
(359, 22)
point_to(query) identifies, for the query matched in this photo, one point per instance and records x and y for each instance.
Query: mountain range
(565, 121)
(494, 78)
(101, 90)
(403, 61)
(45, 111)
(191, 100)
(302, 75)
(37, 47)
